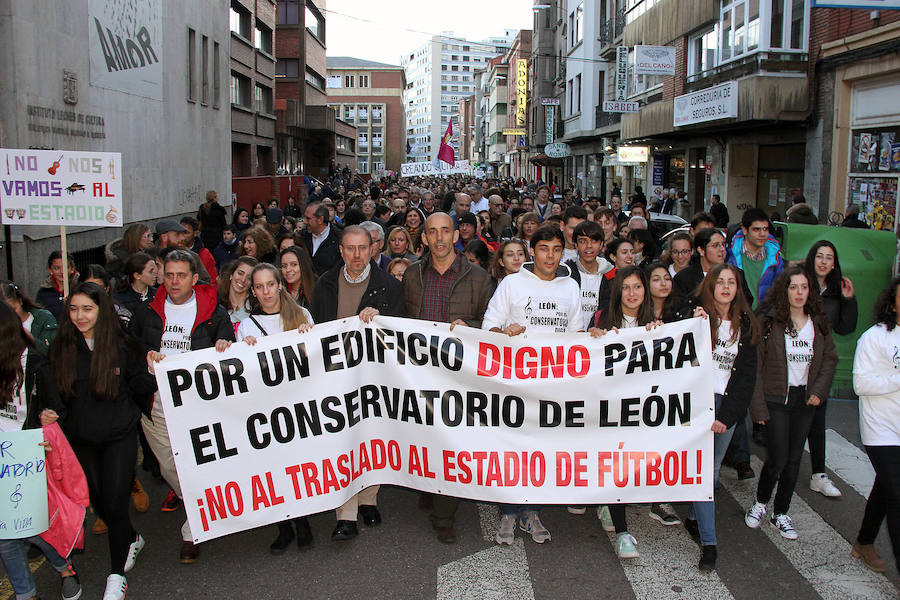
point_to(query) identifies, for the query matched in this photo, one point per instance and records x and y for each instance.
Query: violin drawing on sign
(55, 165)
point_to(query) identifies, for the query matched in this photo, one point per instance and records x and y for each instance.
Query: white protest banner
(717, 102)
(61, 187)
(23, 484)
(298, 423)
(421, 169)
(654, 60)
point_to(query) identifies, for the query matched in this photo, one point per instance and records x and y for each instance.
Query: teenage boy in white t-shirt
(540, 297)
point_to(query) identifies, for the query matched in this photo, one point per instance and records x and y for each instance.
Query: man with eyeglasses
(501, 223)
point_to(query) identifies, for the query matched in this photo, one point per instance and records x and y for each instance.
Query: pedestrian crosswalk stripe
(849, 463)
(498, 573)
(489, 519)
(821, 555)
(667, 567)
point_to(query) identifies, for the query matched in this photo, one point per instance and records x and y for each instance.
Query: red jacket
(67, 494)
(209, 263)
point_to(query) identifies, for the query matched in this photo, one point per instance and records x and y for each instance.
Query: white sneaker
(784, 525)
(625, 546)
(506, 531)
(531, 523)
(133, 550)
(755, 515)
(576, 510)
(605, 518)
(116, 586)
(820, 482)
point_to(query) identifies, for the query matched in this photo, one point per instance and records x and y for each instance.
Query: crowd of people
(460, 251)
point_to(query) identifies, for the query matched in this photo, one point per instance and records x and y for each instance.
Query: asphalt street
(402, 558)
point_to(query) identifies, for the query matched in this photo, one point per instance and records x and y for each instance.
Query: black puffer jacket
(384, 293)
(40, 390)
(97, 420)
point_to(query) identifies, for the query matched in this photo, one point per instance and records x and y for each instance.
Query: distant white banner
(126, 46)
(871, 4)
(421, 169)
(711, 104)
(654, 60)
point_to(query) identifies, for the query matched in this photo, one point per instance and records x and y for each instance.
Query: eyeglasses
(681, 252)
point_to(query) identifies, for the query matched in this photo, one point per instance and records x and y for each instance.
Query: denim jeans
(705, 512)
(14, 554)
(514, 509)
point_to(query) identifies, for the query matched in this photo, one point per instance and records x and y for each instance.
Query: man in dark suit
(320, 239)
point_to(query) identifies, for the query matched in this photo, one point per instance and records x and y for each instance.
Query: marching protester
(139, 282)
(212, 219)
(30, 399)
(228, 249)
(542, 296)
(258, 243)
(839, 301)
(796, 365)
(735, 335)
(678, 256)
(298, 273)
(358, 287)
(509, 258)
(183, 316)
(588, 266)
(876, 378)
(399, 244)
(572, 217)
(620, 253)
(665, 306)
(445, 288)
(756, 252)
(629, 306)
(36, 320)
(102, 378)
(320, 240)
(50, 294)
(272, 311)
(709, 244)
(233, 289)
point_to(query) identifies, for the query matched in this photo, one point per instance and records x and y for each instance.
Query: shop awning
(545, 161)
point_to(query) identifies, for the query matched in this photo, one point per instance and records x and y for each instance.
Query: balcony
(605, 119)
(321, 118)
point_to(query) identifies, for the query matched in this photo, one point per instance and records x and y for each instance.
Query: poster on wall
(873, 151)
(126, 46)
(877, 200)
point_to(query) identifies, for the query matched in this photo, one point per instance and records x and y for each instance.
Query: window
(264, 99)
(192, 66)
(349, 113)
(288, 12)
(376, 140)
(204, 70)
(363, 165)
(363, 140)
(314, 79)
(240, 21)
(363, 114)
(349, 81)
(578, 92)
(263, 39)
(363, 81)
(641, 83)
(579, 19)
(216, 71)
(702, 51)
(315, 23)
(570, 96)
(240, 90)
(287, 67)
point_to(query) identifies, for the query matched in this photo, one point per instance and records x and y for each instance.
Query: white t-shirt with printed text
(799, 352)
(176, 336)
(724, 353)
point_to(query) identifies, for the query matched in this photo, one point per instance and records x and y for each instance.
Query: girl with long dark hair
(629, 306)
(660, 289)
(103, 380)
(233, 288)
(28, 400)
(876, 379)
(139, 286)
(839, 301)
(797, 360)
(39, 321)
(298, 273)
(735, 334)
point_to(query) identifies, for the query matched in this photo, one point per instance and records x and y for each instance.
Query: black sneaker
(304, 534)
(284, 539)
(744, 471)
(692, 528)
(71, 587)
(171, 503)
(708, 559)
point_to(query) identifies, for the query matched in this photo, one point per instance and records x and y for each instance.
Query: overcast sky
(385, 30)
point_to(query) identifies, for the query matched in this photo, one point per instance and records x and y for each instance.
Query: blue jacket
(773, 266)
